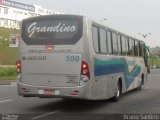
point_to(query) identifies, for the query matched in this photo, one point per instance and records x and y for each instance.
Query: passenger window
(136, 48)
(123, 40)
(119, 45)
(115, 43)
(127, 45)
(131, 47)
(109, 44)
(95, 39)
(141, 49)
(103, 44)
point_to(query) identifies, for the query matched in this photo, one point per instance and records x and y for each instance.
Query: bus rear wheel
(117, 92)
(140, 86)
(141, 83)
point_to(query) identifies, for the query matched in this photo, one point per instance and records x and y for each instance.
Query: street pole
(103, 20)
(144, 35)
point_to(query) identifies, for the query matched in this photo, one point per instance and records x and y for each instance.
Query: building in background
(12, 13)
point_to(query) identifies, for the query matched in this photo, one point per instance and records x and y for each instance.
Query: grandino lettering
(60, 27)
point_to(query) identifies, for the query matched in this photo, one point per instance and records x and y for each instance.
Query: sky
(133, 17)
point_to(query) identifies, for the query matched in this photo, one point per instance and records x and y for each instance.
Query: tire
(141, 83)
(140, 87)
(117, 92)
(148, 70)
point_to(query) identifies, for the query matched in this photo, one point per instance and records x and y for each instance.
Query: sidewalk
(8, 82)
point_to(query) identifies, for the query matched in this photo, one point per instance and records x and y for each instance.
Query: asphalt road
(145, 102)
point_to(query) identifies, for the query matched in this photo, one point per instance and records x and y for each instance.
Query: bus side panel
(106, 71)
(136, 70)
(128, 69)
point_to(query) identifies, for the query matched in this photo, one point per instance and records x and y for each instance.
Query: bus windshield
(53, 30)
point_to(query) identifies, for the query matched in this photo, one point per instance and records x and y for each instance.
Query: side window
(136, 48)
(127, 45)
(131, 47)
(109, 42)
(114, 43)
(123, 40)
(119, 45)
(141, 49)
(95, 38)
(103, 40)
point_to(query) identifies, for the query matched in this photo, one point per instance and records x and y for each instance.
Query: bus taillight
(85, 70)
(18, 66)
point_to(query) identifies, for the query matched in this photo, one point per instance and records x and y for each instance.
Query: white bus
(69, 56)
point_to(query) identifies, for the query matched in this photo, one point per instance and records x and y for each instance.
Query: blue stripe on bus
(116, 66)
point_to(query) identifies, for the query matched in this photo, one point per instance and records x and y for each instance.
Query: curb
(8, 82)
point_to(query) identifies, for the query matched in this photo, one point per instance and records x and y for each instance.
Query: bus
(73, 56)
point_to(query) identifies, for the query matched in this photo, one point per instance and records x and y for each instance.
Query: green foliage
(8, 55)
(5, 32)
(7, 71)
(158, 66)
(154, 60)
(8, 78)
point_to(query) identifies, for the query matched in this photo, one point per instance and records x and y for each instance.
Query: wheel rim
(117, 91)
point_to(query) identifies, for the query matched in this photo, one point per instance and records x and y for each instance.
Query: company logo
(59, 28)
(49, 47)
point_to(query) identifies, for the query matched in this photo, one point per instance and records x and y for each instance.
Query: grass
(8, 73)
(154, 61)
(8, 78)
(8, 55)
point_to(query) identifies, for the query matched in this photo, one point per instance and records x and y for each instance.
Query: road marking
(13, 83)
(146, 87)
(6, 100)
(44, 115)
(8, 85)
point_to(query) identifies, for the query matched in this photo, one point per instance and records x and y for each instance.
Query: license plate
(47, 91)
